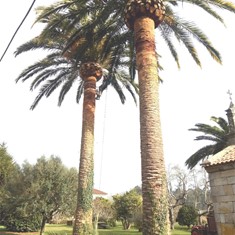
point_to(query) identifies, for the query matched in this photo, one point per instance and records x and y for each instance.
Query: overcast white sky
(187, 97)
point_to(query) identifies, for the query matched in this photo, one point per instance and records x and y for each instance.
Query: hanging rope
(17, 30)
(102, 148)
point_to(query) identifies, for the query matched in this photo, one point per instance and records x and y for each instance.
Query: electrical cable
(17, 30)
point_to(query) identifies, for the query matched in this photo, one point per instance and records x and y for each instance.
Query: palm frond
(67, 85)
(79, 91)
(202, 38)
(223, 5)
(209, 130)
(218, 135)
(44, 13)
(199, 155)
(205, 6)
(47, 89)
(209, 138)
(222, 123)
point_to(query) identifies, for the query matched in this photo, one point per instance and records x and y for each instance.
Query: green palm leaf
(217, 134)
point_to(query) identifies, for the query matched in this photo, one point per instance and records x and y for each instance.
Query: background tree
(138, 219)
(216, 135)
(17, 206)
(195, 194)
(138, 189)
(178, 190)
(54, 187)
(39, 192)
(187, 215)
(188, 187)
(8, 170)
(126, 206)
(199, 192)
(102, 211)
(7, 165)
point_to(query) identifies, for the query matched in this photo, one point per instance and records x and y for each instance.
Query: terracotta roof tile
(225, 156)
(98, 192)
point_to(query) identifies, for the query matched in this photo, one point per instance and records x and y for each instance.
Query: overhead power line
(17, 30)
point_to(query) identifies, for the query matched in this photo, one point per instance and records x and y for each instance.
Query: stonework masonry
(222, 182)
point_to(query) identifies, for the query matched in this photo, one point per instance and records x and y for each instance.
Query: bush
(22, 224)
(112, 222)
(187, 215)
(138, 220)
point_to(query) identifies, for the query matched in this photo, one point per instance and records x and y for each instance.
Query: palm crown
(64, 63)
(217, 135)
(112, 14)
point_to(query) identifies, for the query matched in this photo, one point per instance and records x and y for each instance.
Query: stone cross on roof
(230, 112)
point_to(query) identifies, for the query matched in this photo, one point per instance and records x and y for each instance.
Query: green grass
(181, 230)
(61, 229)
(58, 228)
(118, 230)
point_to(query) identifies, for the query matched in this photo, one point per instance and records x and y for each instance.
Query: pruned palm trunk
(152, 160)
(90, 73)
(154, 189)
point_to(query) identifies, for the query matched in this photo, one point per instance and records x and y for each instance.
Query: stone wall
(222, 182)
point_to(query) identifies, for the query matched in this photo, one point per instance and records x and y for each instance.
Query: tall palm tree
(217, 137)
(66, 67)
(142, 17)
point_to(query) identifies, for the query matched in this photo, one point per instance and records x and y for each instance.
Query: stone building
(221, 170)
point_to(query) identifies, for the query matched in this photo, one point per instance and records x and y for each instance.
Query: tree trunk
(43, 224)
(95, 224)
(83, 215)
(126, 224)
(171, 217)
(154, 190)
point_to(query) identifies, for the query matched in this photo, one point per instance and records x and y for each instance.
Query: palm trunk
(83, 215)
(155, 209)
(90, 72)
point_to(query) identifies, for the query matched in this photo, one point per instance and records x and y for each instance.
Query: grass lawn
(61, 229)
(181, 230)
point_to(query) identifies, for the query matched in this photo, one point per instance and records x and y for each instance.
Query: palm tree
(143, 20)
(67, 66)
(142, 17)
(217, 137)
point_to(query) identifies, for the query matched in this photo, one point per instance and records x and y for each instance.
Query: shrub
(138, 219)
(22, 224)
(187, 215)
